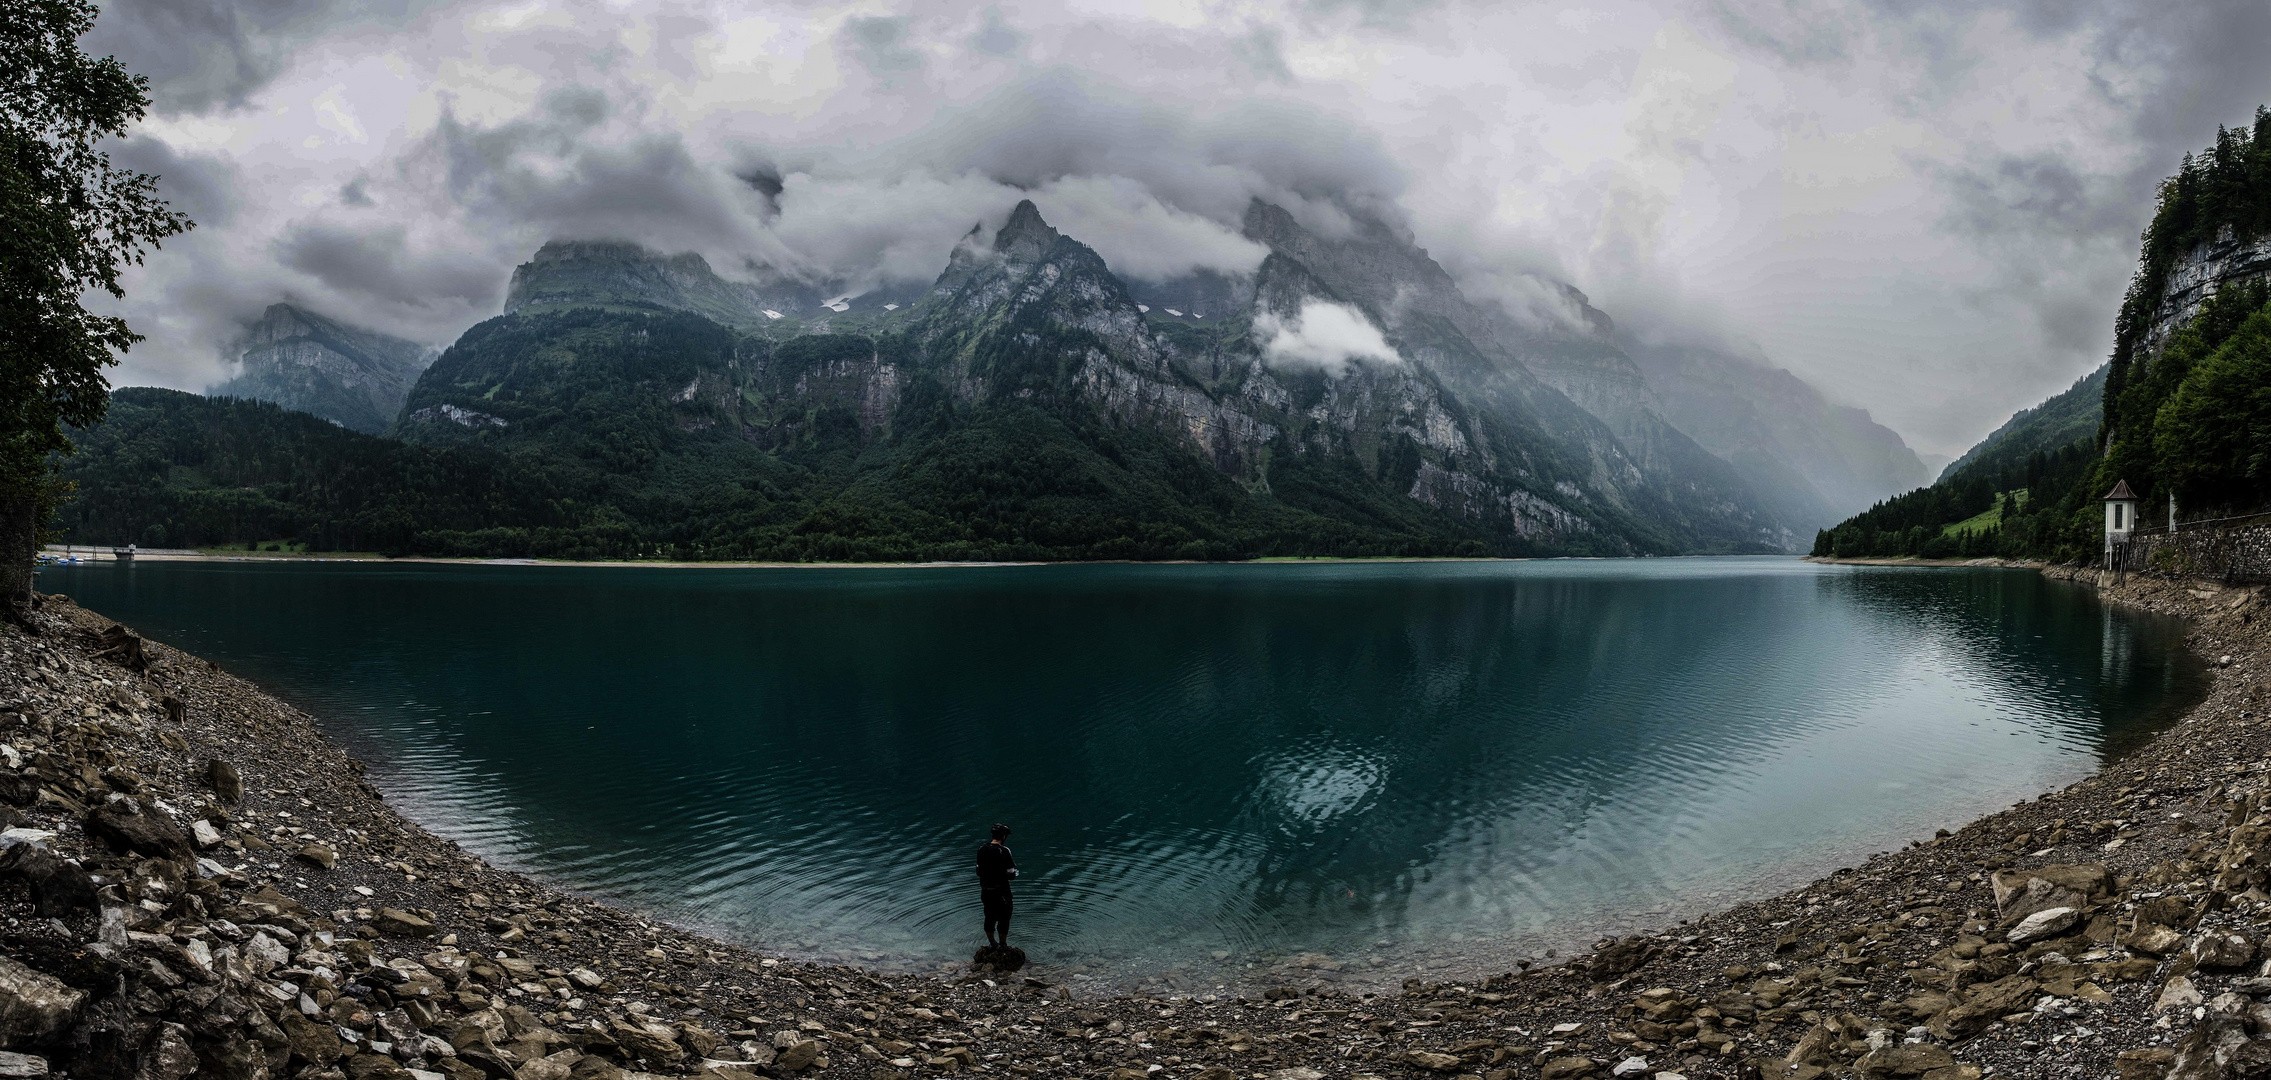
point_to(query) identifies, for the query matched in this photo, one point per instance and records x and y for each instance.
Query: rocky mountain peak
(346, 374)
(1025, 237)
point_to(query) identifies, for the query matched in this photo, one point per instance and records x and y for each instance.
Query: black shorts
(998, 905)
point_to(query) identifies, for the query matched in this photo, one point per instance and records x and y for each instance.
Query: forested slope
(2185, 409)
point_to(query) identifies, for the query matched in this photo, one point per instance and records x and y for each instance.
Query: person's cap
(1000, 830)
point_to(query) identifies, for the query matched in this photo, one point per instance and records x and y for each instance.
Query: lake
(1408, 767)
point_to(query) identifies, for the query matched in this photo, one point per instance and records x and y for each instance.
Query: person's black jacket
(996, 866)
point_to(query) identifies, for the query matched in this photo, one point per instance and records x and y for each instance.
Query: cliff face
(604, 273)
(352, 377)
(1572, 395)
(2196, 277)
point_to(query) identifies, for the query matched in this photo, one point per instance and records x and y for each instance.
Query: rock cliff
(353, 377)
(604, 273)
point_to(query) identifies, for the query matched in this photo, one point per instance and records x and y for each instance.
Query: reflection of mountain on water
(1196, 759)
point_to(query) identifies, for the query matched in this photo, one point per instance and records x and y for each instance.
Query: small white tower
(2120, 516)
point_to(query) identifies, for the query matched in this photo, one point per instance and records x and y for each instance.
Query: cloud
(1928, 208)
(1323, 336)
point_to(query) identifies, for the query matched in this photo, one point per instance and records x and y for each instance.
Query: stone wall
(2236, 554)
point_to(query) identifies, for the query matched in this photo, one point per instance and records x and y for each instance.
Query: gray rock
(798, 1057)
(128, 825)
(2049, 922)
(395, 922)
(2223, 949)
(22, 1067)
(34, 1008)
(57, 886)
(226, 782)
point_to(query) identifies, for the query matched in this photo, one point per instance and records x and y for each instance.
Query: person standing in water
(996, 869)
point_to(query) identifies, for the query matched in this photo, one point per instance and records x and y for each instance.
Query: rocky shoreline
(194, 882)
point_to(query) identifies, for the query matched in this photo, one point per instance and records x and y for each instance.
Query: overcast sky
(1925, 208)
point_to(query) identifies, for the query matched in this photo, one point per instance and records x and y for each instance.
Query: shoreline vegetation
(197, 881)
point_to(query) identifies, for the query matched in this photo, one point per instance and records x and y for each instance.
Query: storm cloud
(1927, 209)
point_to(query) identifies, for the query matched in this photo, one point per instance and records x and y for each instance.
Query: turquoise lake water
(1407, 767)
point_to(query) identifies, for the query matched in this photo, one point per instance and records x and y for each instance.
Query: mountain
(1672, 409)
(1814, 462)
(567, 274)
(1343, 399)
(353, 377)
(2072, 416)
(1583, 405)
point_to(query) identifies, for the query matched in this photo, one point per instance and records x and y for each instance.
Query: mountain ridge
(351, 376)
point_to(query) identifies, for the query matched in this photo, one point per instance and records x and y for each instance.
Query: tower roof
(2120, 491)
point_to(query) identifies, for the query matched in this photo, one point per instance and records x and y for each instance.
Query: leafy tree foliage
(72, 221)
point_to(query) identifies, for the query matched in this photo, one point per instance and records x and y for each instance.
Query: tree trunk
(19, 542)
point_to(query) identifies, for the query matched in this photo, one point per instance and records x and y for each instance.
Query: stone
(2178, 995)
(2020, 893)
(395, 922)
(1904, 1059)
(1985, 1003)
(22, 1067)
(798, 1057)
(1214, 1072)
(127, 825)
(168, 1056)
(653, 1042)
(204, 835)
(225, 780)
(1564, 1068)
(58, 887)
(1619, 958)
(2222, 950)
(594, 1067)
(17, 789)
(560, 1066)
(2152, 939)
(34, 1007)
(2218, 1048)
(475, 1051)
(2049, 922)
(1631, 1066)
(1434, 1062)
(2149, 1063)
(585, 978)
(310, 1042)
(318, 855)
(1296, 1073)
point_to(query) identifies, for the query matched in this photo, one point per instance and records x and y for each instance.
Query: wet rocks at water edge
(208, 888)
(1002, 959)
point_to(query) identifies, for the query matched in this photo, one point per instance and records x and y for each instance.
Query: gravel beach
(195, 882)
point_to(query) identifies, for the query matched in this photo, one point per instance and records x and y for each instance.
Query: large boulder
(227, 782)
(2020, 893)
(128, 825)
(58, 886)
(1984, 1004)
(34, 1008)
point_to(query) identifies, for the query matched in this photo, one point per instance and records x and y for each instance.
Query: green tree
(72, 223)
